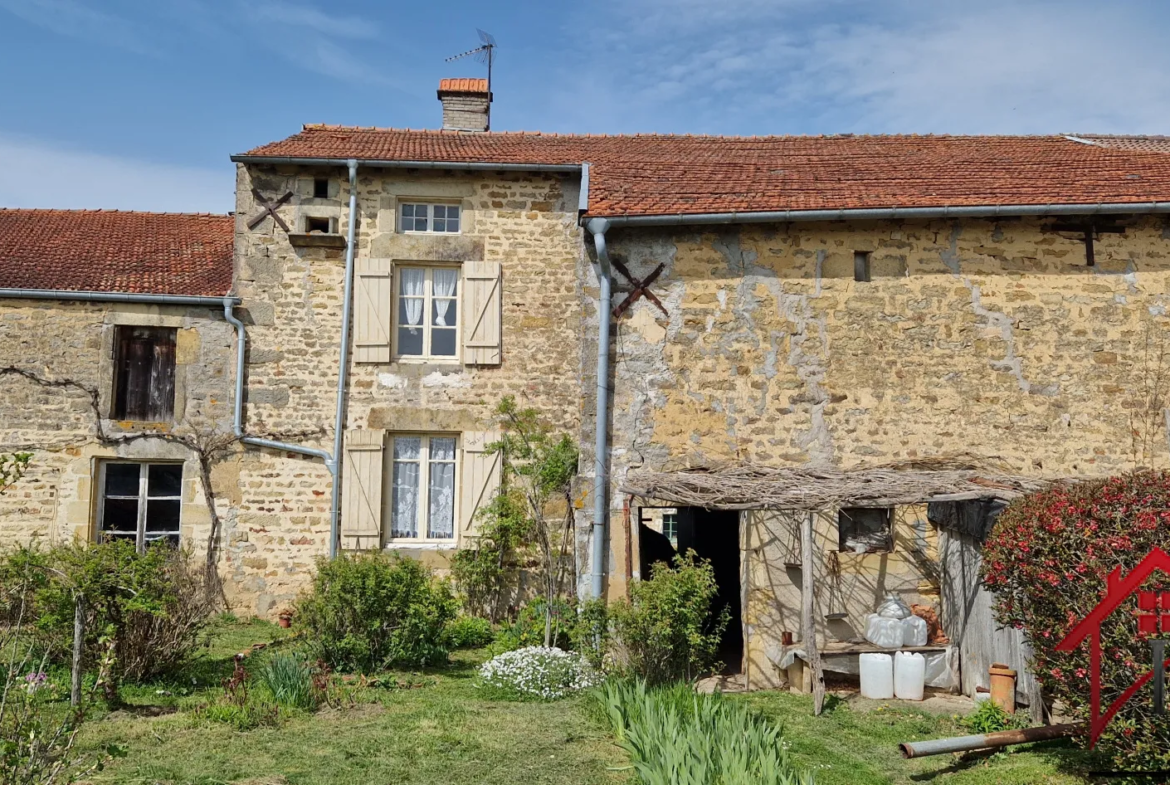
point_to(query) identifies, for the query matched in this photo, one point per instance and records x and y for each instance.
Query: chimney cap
(463, 86)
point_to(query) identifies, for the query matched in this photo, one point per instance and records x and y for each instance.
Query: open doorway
(712, 535)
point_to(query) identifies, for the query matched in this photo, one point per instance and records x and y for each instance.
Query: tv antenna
(482, 53)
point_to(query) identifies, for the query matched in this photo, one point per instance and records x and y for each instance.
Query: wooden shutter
(361, 512)
(482, 313)
(373, 299)
(480, 480)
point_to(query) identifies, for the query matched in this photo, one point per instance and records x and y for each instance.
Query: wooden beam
(808, 630)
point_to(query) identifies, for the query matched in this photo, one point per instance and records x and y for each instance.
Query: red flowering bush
(1047, 560)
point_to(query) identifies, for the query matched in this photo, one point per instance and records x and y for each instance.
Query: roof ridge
(110, 211)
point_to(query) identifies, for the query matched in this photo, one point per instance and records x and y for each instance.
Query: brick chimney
(466, 104)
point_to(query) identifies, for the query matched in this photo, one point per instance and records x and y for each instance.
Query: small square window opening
(861, 266)
(140, 502)
(865, 530)
(427, 318)
(144, 374)
(321, 188)
(319, 226)
(430, 218)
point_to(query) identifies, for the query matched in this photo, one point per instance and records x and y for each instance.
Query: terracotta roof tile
(1148, 144)
(463, 86)
(114, 251)
(660, 175)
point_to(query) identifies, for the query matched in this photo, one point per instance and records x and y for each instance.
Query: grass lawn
(442, 730)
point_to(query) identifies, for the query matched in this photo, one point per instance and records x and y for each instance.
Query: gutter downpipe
(598, 227)
(343, 369)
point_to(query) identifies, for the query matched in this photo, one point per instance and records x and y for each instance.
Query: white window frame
(424, 483)
(141, 537)
(428, 300)
(430, 208)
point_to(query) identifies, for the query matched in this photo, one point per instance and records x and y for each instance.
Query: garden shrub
(1047, 560)
(470, 632)
(370, 611)
(537, 672)
(290, 681)
(675, 735)
(666, 630)
(590, 634)
(528, 627)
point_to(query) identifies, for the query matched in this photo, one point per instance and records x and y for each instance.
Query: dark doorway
(712, 535)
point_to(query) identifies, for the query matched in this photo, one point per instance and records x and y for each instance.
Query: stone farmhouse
(980, 313)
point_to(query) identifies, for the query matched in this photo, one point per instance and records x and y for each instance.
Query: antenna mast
(484, 53)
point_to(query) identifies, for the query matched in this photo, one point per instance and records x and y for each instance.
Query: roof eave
(271, 160)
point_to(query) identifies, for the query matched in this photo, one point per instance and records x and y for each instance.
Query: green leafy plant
(674, 735)
(470, 632)
(290, 681)
(990, 717)
(370, 611)
(529, 626)
(536, 672)
(1048, 560)
(590, 634)
(666, 631)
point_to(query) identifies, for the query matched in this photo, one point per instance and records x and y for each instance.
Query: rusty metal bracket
(269, 209)
(641, 289)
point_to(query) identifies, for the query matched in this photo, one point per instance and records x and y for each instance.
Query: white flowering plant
(538, 672)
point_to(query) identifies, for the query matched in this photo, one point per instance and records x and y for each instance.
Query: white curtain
(441, 502)
(406, 475)
(444, 281)
(413, 285)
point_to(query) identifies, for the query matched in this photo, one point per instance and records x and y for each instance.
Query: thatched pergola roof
(753, 487)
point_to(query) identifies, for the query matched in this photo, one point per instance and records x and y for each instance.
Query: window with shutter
(426, 313)
(144, 388)
(361, 512)
(373, 298)
(421, 477)
(482, 313)
(481, 478)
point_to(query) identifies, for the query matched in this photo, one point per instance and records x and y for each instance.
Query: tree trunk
(78, 641)
(808, 631)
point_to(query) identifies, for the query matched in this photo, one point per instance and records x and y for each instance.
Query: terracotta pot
(786, 638)
(1003, 686)
(285, 622)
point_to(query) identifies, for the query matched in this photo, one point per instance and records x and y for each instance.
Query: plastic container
(914, 632)
(886, 633)
(909, 675)
(877, 676)
(893, 608)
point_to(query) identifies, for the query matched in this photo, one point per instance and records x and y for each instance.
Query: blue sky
(137, 104)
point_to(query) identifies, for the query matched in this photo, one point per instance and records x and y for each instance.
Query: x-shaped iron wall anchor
(269, 209)
(641, 289)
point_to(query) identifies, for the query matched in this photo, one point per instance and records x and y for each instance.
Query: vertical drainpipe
(597, 227)
(343, 366)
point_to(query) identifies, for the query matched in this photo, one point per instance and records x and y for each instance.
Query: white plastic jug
(914, 631)
(909, 675)
(883, 632)
(893, 608)
(877, 676)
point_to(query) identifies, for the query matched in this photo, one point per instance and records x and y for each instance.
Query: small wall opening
(321, 188)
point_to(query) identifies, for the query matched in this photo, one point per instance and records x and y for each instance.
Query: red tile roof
(666, 175)
(113, 251)
(463, 86)
(1148, 144)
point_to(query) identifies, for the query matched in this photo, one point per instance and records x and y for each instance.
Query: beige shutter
(480, 480)
(373, 299)
(361, 512)
(482, 313)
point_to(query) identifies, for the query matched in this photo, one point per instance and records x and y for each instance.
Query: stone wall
(985, 337)
(292, 300)
(74, 342)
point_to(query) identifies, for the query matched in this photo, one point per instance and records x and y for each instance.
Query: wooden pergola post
(808, 630)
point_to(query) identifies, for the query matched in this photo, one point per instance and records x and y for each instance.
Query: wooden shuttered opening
(480, 480)
(482, 313)
(373, 301)
(361, 511)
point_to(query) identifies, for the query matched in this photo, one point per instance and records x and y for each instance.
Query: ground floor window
(423, 487)
(865, 530)
(140, 502)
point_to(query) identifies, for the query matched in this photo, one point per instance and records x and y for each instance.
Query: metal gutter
(598, 227)
(115, 297)
(387, 164)
(888, 213)
(583, 198)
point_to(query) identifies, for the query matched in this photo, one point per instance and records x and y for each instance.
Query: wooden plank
(808, 629)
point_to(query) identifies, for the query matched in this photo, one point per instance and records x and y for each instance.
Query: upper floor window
(144, 384)
(430, 218)
(140, 502)
(427, 323)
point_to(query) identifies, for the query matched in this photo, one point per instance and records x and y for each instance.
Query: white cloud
(39, 174)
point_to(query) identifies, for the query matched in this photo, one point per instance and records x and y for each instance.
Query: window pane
(440, 211)
(122, 479)
(407, 448)
(453, 224)
(408, 211)
(120, 515)
(165, 480)
(443, 312)
(420, 224)
(170, 540)
(443, 342)
(404, 517)
(440, 225)
(410, 341)
(441, 511)
(162, 515)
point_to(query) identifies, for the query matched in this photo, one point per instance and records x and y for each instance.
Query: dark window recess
(141, 503)
(865, 530)
(144, 388)
(861, 266)
(318, 226)
(321, 188)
